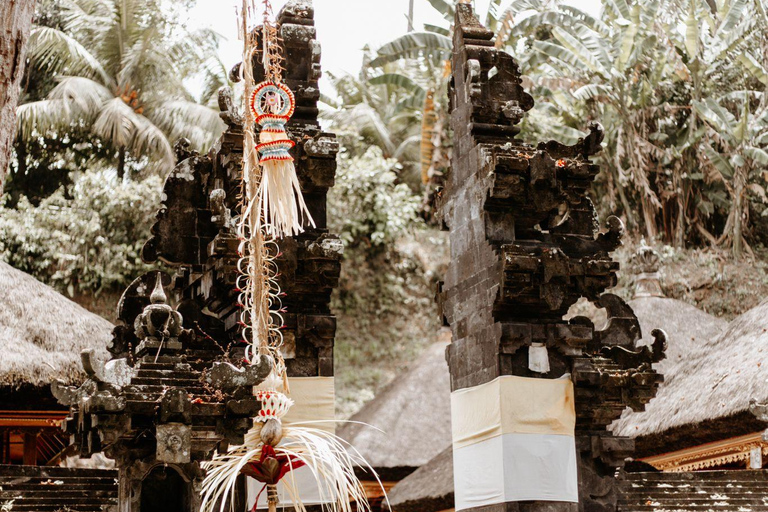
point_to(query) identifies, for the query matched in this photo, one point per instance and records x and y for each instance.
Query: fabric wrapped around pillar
(513, 440)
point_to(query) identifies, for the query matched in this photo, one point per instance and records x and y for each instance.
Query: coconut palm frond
(148, 139)
(199, 123)
(58, 51)
(117, 122)
(86, 96)
(40, 117)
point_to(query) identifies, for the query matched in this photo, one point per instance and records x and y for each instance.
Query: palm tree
(120, 67)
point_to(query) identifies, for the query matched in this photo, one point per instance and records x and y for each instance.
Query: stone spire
(177, 387)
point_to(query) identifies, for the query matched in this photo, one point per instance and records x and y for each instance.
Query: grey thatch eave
(429, 488)
(413, 415)
(42, 333)
(707, 389)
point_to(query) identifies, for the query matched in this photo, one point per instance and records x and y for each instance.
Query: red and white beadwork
(274, 405)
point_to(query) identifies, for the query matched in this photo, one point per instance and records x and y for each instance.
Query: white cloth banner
(513, 440)
(515, 467)
(314, 402)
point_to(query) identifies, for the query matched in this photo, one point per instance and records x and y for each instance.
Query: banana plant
(383, 107)
(639, 68)
(734, 146)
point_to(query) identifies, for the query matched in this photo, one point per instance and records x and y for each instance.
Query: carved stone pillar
(525, 247)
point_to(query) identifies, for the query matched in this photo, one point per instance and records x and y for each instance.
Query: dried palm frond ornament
(272, 207)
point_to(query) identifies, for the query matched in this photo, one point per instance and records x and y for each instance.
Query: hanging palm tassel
(280, 201)
(271, 207)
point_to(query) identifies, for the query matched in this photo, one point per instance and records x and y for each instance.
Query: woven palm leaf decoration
(272, 207)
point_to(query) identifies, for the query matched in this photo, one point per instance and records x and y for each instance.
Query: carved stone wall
(525, 246)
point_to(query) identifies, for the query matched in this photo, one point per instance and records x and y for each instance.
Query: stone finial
(648, 261)
(159, 324)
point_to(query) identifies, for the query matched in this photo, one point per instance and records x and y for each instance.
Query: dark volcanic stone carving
(177, 387)
(525, 246)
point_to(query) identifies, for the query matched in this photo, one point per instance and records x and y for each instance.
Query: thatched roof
(42, 332)
(692, 334)
(429, 488)
(707, 377)
(413, 414)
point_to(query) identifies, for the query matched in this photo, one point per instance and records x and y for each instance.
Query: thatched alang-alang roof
(42, 332)
(712, 382)
(414, 415)
(688, 330)
(428, 488)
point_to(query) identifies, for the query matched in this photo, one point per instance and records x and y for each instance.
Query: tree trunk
(15, 24)
(739, 187)
(121, 163)
(410, 15)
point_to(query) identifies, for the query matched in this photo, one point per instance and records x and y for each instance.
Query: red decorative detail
(271, 467)
(561, 163)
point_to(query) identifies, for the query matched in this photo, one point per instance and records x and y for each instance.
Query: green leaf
(619, 8)
(735, 14)
(628, 39)
(719, 162)
(756, 155)
(692, 32)
(445, 8)
(411, 44)
(492, 17)
(716, 116)
(591, 91)
(578, 49)
(396, 80)
(753, 67)
(559, 53)
(742, 129)
(58, 51)
(437, 30)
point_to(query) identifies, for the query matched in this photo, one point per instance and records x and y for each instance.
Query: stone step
(55, 471)
(697, 487)
(21, 506)
(167, 382)
(52, 488)
(707, 476)
(70, 485)
(43, 494)
(693, 508)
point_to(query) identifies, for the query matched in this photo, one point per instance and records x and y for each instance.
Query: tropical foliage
(120, 68)
(678, 85)
(86, 237)
(368, 206)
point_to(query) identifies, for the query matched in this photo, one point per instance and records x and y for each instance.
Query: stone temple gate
(525, 246)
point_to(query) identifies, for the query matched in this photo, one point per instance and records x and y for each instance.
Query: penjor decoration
(272, 207)
(278, 200)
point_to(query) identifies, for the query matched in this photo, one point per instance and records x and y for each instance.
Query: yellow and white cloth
(313, 401)
(513, 440)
